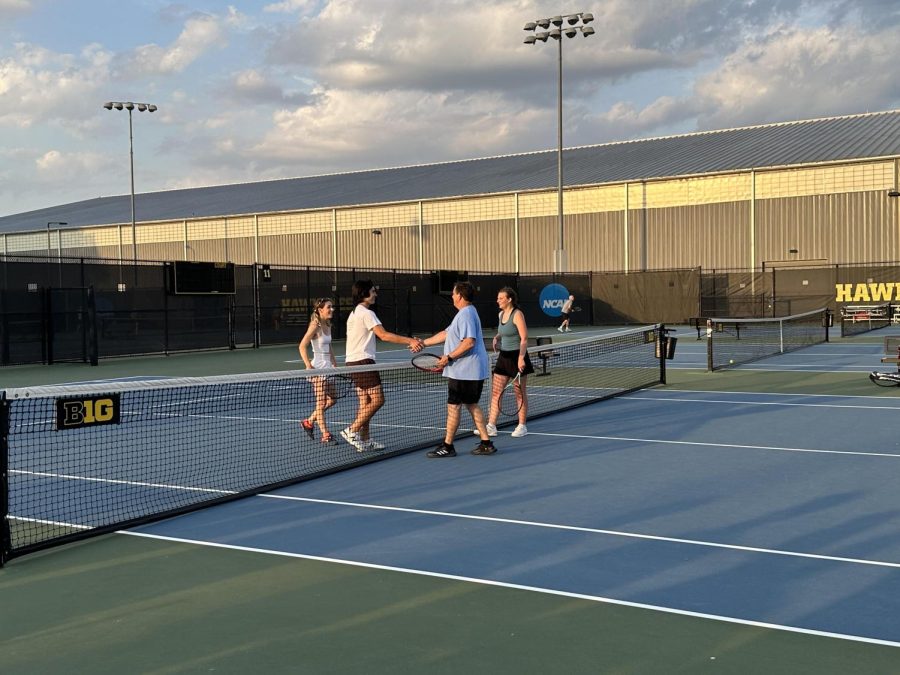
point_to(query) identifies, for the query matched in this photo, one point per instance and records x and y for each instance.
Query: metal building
(823, 191)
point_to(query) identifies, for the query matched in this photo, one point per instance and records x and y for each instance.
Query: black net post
(662, 346)
(5, 538)
(709, 345)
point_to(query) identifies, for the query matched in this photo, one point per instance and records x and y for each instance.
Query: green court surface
(121, 604)
(126, 604)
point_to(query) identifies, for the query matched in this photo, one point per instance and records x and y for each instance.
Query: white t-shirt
(360, 337)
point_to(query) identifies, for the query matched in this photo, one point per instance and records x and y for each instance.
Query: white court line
(715, 445)
(592, 530)
(522, 587)
(775, 403)
(764, 393)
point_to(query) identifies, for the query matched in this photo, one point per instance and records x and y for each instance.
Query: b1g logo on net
(75, 413)
(552, 298)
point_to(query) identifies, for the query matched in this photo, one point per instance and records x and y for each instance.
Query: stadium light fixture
(576, 23)
(130, 106)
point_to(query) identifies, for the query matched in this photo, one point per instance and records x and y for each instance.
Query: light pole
(59, 247)
(59, 224)
(575, 23)
(129, 106)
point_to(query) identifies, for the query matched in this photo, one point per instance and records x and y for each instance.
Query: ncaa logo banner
(76, 413)
(552, 298)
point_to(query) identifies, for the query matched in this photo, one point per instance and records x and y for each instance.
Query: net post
(5, 537)
(709, 345)
(828, 321)
(781, 337)
(663, 350)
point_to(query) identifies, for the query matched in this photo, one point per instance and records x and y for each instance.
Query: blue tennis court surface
(746, 507)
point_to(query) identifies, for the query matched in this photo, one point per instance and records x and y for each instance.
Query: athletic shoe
(560, 329)
(519, 431)
(491, 429)
(485, 448)
(307, 427)
(443, 450)
(372, 444)
(567, 330)
(353, 439)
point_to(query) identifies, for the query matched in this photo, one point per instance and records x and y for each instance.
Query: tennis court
(743, 520)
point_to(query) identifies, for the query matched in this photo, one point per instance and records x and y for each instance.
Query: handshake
(415, 345)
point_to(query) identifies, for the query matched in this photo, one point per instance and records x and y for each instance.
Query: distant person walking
(566, 313)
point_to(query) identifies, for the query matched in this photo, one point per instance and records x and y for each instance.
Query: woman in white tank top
(319, 336)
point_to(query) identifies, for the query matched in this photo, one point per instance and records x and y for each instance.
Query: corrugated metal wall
(394, 248)
(850, 227)
(708, 236)
(483, 246)
(836, 213)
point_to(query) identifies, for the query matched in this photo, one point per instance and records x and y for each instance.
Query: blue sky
(260, 90)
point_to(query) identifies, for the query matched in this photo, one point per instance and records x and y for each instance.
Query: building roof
(830, 139)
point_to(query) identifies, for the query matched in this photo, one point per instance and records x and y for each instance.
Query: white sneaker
(519, 431)
(353, 439)
(567, 330)
(560, 329)
(372, 444)
(491, 429)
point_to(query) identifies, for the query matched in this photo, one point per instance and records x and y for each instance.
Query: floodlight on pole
(129, 106)
(576, 23)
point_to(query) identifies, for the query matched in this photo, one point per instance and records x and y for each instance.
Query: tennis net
(80, 460)
(860, 319)
(731, 342)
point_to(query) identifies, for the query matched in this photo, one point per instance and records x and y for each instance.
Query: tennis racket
(509, 403)
(427, 362)
(885, 379)
(335, 386)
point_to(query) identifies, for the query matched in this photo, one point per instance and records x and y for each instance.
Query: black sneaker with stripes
(443, 450)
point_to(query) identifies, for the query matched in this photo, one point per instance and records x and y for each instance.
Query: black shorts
(564, 316)
(364, 380)
(508, 364)
(464, 392)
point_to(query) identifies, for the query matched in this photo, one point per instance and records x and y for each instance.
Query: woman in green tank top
(512, 336)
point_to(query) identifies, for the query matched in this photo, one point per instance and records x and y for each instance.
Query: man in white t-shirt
(466, 367)
(363, 326)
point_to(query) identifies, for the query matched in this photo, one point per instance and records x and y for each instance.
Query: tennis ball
(730, 360)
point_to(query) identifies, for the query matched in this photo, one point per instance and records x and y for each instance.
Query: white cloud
(38, 85)
(795, 73)
(57, 164)
(291, 6)
(353, 129)
(200, 34)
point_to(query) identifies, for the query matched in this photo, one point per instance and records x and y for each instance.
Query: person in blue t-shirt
(466, 367)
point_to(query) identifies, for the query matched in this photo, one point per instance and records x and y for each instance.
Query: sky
(260, 90)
